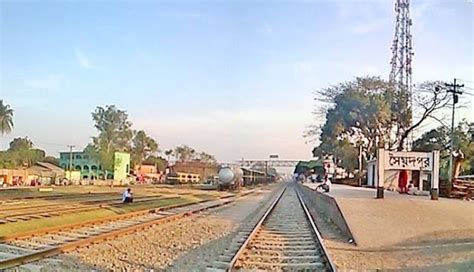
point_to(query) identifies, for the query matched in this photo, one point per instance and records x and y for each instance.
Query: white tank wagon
(230, 177)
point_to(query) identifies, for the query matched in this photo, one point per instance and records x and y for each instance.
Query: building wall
(204, 170)
(121, 165)
(145, 169)
(7, 176)
(81, 161)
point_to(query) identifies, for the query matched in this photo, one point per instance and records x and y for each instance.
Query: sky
(233, 78)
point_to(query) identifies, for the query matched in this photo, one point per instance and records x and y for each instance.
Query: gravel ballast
(192, 243)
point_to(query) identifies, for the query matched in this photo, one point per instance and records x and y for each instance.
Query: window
(78, 157)
(78, 167)
(85, 167)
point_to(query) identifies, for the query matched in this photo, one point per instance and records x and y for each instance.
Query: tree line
(367, 112)
(115, 134)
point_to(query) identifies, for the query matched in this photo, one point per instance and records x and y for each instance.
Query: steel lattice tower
(401, 72)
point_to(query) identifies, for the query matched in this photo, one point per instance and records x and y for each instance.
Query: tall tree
(20, 144)
(6, 118)
(142, 147)
(184, 153)
(52, 160)
(439, 138)
(169, 153)
(357, 113)
(205, 157)
(364, 112)
(22, 153)
(428, 99)
(114, 133)
(159, 162)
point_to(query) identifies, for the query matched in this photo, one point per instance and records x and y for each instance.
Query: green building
(91, 168)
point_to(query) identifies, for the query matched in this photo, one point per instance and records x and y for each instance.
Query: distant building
(90, 168)
(203, 169)
(145, 169)
(40, 172)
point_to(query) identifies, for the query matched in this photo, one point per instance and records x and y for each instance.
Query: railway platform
(397, 220)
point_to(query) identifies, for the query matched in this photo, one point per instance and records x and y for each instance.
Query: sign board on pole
(274, 156)
(408, 161)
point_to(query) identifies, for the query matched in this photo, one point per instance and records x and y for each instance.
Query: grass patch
(205, 196)
(132, 207)
(24, 226)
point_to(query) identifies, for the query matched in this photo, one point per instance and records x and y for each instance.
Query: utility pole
(360, 165)
(454, 89)
(70, 156)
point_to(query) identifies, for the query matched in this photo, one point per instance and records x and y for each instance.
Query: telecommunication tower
(401, 72)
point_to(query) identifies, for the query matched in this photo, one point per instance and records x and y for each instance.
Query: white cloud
(82, 59)
(48, 83)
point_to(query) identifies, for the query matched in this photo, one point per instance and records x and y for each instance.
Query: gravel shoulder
(189, 244)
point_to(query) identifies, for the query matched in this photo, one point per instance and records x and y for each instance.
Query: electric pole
(70, 156)
(454, 89)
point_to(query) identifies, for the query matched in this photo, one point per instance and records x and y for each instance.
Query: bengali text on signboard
(408, 160)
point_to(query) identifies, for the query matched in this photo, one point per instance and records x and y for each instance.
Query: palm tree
(6, 118)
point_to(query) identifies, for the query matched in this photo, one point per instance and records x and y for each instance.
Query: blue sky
(232, 78)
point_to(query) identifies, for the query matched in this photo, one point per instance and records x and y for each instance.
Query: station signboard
(408, 161)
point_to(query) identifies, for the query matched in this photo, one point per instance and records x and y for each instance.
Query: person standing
(403, 181)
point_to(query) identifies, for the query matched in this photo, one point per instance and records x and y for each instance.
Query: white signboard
(408, 161)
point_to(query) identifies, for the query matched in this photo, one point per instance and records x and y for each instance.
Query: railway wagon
(232, 177)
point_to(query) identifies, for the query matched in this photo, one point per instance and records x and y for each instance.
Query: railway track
(51, 210)
(25, 248)
(285, 238)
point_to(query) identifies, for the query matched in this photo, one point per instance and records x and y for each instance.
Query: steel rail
(332, 267)
(254, 231)
(50, 230)
(26, 216)
(69, 246)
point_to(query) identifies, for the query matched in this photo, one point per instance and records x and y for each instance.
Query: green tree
(365, 111)
(114, 134)
(169, 153)
(439, 139)
(6, 118)
(142, 147)
(20, 144)
(428, 99)
(52, 160)
(205, 157)
(357, 112)
(159, 162)
(21, 153)
(184, 153)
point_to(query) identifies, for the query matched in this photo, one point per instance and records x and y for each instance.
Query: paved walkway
(400, 220)
(346, 191)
